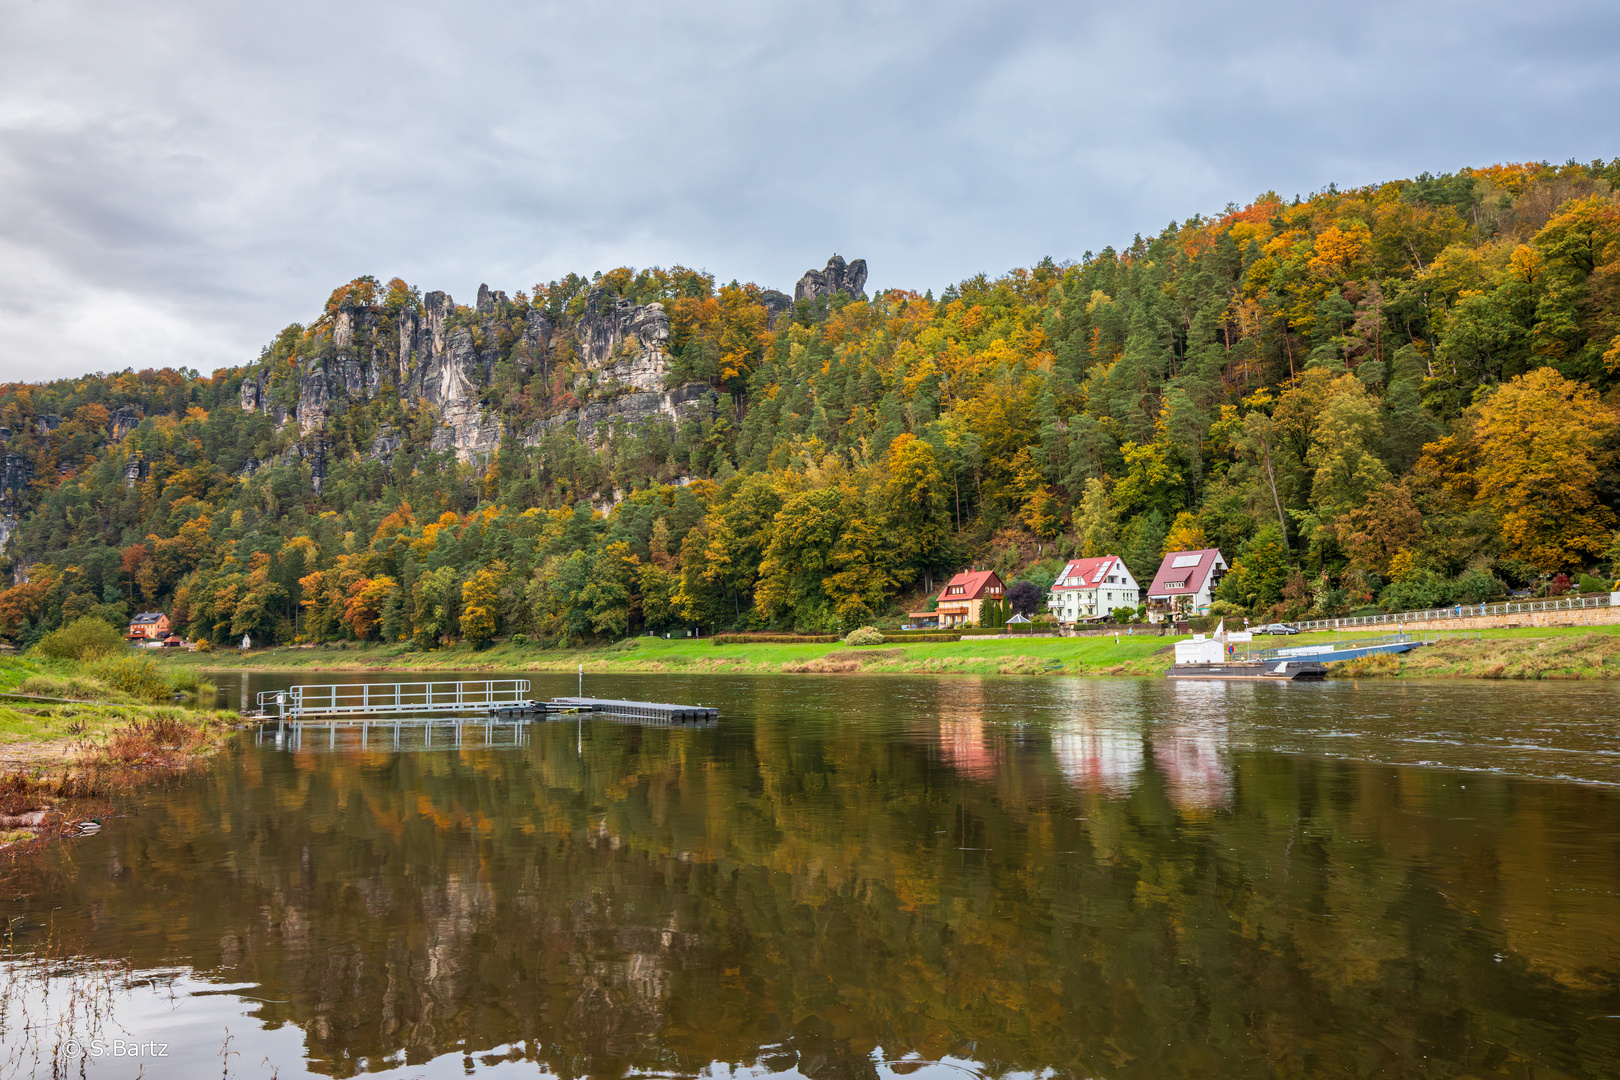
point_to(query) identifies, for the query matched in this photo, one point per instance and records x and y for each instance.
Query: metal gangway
(495, 697)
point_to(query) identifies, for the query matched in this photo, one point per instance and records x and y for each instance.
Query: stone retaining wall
(1604, 616)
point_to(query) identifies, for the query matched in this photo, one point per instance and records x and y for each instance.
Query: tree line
(1390, 396)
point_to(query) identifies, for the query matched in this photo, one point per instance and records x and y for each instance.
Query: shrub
(163, 740)
(136, 676)
(774, 639)
(1590, 584)
(83, 639)
(518, 639)
(1025, 597)
(1424, 589)
(204, 645)
(866, 635)
(1477, 586)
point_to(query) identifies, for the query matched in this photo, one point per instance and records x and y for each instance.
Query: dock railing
(362, 699)
(1305, 652)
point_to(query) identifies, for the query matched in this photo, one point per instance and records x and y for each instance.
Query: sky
(179, 180)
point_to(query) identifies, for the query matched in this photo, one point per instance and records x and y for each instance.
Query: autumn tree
(480, 603)
(1543, 446)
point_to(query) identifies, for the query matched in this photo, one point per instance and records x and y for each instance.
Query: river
(851, 878)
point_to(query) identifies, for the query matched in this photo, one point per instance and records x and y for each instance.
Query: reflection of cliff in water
(784, 893)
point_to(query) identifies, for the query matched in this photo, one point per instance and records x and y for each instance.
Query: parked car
(1275, 628)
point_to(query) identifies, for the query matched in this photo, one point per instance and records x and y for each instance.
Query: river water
(851, 878)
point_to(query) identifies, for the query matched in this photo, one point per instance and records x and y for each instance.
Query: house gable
(1185, 573)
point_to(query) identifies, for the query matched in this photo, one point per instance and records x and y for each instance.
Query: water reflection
(853, 878)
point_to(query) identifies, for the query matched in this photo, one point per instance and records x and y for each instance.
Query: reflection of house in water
(964, 747)
(1097, 757)
(965, 743)
(1190, 754)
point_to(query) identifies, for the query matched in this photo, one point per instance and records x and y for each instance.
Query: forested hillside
(1397, 395)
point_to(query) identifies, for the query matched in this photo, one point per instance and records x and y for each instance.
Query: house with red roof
(962, 600)
(1186, 582)
(1091, 589)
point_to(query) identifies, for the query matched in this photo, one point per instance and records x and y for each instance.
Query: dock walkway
(492, 700)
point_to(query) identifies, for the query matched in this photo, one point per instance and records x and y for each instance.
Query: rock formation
(444, 356)
(838, 277)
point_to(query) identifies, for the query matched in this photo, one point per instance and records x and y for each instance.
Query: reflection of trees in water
(794, 894)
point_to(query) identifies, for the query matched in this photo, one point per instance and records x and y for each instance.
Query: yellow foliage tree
(1542, 441)
(481, 604)
(1185, 534)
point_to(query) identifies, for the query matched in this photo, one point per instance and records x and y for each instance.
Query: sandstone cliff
(616, 368)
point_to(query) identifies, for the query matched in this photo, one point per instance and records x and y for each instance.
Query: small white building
(1186, 579)
(1091, 588)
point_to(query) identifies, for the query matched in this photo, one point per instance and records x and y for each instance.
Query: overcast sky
(179, 180)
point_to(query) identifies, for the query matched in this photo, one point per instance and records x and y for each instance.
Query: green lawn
(976, 656)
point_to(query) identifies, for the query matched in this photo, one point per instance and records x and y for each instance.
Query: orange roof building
(962, 600)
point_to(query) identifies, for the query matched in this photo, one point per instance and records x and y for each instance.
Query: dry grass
(821, 665)
(1365, 667)
(865, 655)
(1584, 656)
(43, 801)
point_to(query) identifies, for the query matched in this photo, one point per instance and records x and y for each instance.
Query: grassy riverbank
(1055, 656)
(1569, 653)
(62, 760)
(1578, 652)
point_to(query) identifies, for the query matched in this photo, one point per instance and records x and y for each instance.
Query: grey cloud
(179, 180)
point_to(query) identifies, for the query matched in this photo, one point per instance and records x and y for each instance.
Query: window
(1185, 560)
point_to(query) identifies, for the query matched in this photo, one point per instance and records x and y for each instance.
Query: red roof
(974, 582)
(1086, 573)
(1191, 575)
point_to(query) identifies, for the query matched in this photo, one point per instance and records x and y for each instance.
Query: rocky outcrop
(595, 419)
(490, 300)
(776, 304)
(464, 428)
(440, 355)
(386, 445)
(437, 359)
(123, 422)
(254, 395)
(838, 277)
(623, 343)
(358, 361)
(15, 473)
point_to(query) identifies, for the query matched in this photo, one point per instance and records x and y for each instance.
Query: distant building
(1186, 580)
(962, 600)
(150, 625)
(1091, 589)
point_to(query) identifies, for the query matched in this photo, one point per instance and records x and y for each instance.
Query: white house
(1186, 579)
(1091, 588)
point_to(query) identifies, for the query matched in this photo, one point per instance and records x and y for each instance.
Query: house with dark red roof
(1185, 583)
(1090, 589)
(962, 600)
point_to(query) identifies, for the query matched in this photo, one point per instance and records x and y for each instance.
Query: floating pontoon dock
(492, 700)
